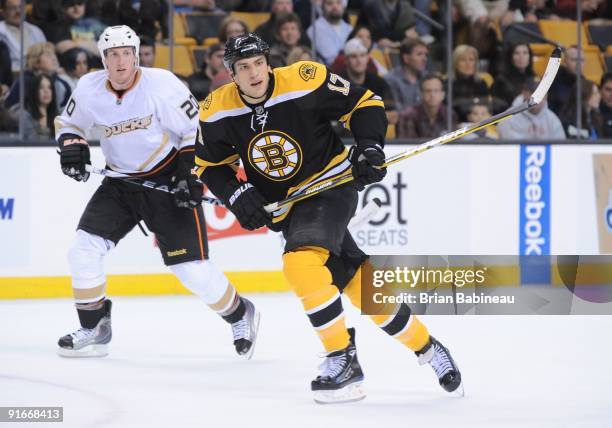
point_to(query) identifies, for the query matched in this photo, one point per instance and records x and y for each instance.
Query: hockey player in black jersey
(277, 122)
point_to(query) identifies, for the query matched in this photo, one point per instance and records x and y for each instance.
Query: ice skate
(440, 360)
(245, 330)
(87, 342)
(341, 377)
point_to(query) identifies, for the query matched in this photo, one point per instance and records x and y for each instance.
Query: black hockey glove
(366, 157)
(188, 191)
(247, 204)
(74, 155)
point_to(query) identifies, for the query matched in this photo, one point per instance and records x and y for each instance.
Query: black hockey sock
(89, 318)
(237, 314)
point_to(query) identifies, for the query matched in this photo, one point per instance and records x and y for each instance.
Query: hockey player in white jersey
(149, 123)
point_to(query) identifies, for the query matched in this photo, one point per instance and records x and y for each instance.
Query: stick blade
(554, 62)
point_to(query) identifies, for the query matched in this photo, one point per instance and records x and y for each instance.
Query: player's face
(251, 76)
(121, 65)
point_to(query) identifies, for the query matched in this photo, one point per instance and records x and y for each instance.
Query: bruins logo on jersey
(275, 155)
(207, 101)
(307, 72)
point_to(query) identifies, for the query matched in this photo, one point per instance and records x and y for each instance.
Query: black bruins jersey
(287, 143)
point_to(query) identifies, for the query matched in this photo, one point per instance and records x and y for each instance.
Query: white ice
(172, 364)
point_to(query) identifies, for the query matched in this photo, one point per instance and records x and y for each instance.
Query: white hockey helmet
(116, 37)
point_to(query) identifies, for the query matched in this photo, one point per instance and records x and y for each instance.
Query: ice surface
(172, 364)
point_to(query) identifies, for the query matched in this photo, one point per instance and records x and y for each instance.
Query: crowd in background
(488, 75)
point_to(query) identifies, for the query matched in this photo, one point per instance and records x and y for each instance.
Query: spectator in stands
(467, 84)
(356, 72)
(518, 66)
(404, 79)
(40, 109)
(146, 53)
(7, 122)
(146, 17)
(288, 34)
(6, 75)
(362, 33)
(243, 5)
(478, 111)
(528, 11)
(10, 32)
(429, 118)
(479, 28)
(390, 21)
(267, 29)
(592, 123)
(299, 53)
(231, 27)
(200, 81)
(605, 107)
(537, 123)
(565, 80)
(329, 32)
(74, 29)
(186, 6)
(75, 64)
(590, 8)
(41, 58)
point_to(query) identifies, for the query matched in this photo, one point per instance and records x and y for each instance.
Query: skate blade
(459, 392)
(348, 394)
(249, 354)
(90, 351)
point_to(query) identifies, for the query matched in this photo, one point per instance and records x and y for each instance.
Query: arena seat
(201, 26)
(252, 19)
(513, 35)
(198, 54)
(600, 35)
(178, 31)
(563, 32)
(182, 62)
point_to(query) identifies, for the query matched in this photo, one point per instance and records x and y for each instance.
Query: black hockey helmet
(244, 46)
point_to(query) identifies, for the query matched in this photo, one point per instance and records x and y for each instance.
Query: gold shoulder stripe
(301, 76)
(222, 99)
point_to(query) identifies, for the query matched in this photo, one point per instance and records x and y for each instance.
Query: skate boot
(89, 342)
(440, 360)
(245, 330)
(341, 377)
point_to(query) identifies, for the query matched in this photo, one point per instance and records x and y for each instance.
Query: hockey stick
(144, 182)
(536, 98)
(362, 216)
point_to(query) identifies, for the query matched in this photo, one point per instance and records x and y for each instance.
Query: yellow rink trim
(135, 285)
(249, 282)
